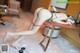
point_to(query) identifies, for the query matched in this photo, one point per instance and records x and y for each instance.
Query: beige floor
(14, 24)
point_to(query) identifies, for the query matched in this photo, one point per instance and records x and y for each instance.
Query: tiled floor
(59, 45)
